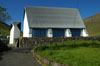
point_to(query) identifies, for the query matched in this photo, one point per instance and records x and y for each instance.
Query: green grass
(93, 24)
(4, 29)
(93, 28)
(73, 53)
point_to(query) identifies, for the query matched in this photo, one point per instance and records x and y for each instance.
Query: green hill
(4, 29)
(93, 25)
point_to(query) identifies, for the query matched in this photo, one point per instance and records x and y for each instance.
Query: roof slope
(50, 17)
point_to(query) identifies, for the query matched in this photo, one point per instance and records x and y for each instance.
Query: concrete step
(21, 50)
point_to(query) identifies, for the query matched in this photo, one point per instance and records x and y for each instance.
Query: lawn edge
(44, 61)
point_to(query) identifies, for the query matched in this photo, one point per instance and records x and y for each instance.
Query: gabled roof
(51, 17)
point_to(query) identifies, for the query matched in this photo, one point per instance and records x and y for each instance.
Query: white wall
(30, 35)
(14, 33)
(11, 35)
(26, 27)
(68, 33)
(49, 33)
(84, 33)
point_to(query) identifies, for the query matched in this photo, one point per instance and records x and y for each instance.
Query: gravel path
(12, 58)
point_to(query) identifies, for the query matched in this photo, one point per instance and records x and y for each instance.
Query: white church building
(53, 22)
(49, 22)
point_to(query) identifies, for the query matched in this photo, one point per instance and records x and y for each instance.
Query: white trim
(68, 33)
(49, 33)
(84, 33)
(26, 27)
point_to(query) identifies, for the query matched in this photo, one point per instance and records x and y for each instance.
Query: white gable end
(25, 26)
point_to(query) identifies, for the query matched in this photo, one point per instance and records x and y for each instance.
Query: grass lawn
(4, 29)
(73, 53)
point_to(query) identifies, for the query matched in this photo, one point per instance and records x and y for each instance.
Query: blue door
(58, 32)
(76, 32)
(39, 32)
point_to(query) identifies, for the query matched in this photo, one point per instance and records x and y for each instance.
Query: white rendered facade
(84, 33)
(26, 27)
(27, 30)
(68, 33)
(33, 18)
(49, 33)
(14, 33)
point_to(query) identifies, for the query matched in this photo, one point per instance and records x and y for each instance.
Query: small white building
(53, 22)
(14, 33)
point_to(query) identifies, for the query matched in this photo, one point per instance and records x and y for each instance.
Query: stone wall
(31, 42)
(47, 61)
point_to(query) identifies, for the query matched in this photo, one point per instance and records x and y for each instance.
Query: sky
(16, 7)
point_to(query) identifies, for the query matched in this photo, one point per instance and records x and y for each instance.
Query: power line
(77, 6)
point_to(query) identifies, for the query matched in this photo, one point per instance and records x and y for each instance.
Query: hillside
(4, 29)
(93, 25)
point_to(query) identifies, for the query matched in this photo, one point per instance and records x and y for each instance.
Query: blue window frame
(58, 32)
(76, 32)
(39, 32)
